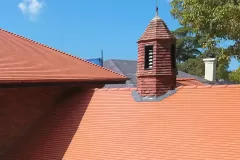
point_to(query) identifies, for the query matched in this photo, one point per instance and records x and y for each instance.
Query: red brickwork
(162, 77)
(155, 85)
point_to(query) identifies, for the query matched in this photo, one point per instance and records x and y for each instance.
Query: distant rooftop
(128, 68)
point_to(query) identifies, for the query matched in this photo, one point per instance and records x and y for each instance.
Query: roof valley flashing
(138, 98)
(156, 68)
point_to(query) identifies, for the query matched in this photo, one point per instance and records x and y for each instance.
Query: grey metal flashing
(139, 98)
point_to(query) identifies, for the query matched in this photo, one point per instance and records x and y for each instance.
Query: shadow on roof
(52, 136)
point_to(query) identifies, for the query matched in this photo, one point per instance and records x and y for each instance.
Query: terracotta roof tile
(22, 59)
(157, 29)
(188, 82)
(197, 122)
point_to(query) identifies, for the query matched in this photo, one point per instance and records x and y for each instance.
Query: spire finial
(156, 7)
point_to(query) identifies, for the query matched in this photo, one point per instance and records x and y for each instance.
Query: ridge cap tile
(124, 89)
(177, 88)
(205, 86)
(116, 89)
(220, 86)
(190, 87)
(103, 89)
(209, 86)
(113, 89)
(180, 87)
(233, 86)
(185, 79)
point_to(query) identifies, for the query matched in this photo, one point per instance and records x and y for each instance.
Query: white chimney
(210, 69)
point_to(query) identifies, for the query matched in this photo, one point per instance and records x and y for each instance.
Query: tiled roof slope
(22, 59)
(197, 122)
(157, 29)
(188, 82)
(129, 69)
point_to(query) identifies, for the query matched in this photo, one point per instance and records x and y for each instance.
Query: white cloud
(31, 8)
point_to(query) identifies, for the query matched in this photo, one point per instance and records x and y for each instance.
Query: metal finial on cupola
(156, 16)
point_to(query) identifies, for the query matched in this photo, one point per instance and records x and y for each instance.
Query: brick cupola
(156, 68)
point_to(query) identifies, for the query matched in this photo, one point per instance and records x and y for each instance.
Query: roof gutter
(58, 82)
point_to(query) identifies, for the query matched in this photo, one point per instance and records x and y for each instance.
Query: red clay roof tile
(22, 59)
(188, 82)
(197, 122)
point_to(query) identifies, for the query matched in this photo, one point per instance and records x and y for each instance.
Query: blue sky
(84, 27)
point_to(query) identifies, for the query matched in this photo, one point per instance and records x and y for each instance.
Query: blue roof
(97, 61)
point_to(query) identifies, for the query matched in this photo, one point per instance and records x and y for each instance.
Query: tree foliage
(234, 76)
(187, 44)
(196, 65)
(190, 58)
(217, 20)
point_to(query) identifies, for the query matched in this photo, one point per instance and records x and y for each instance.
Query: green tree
(234, 76)
(187, 44)
(218, 20)
(196, 65)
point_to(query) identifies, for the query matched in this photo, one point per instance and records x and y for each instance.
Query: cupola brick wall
(162, 76)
